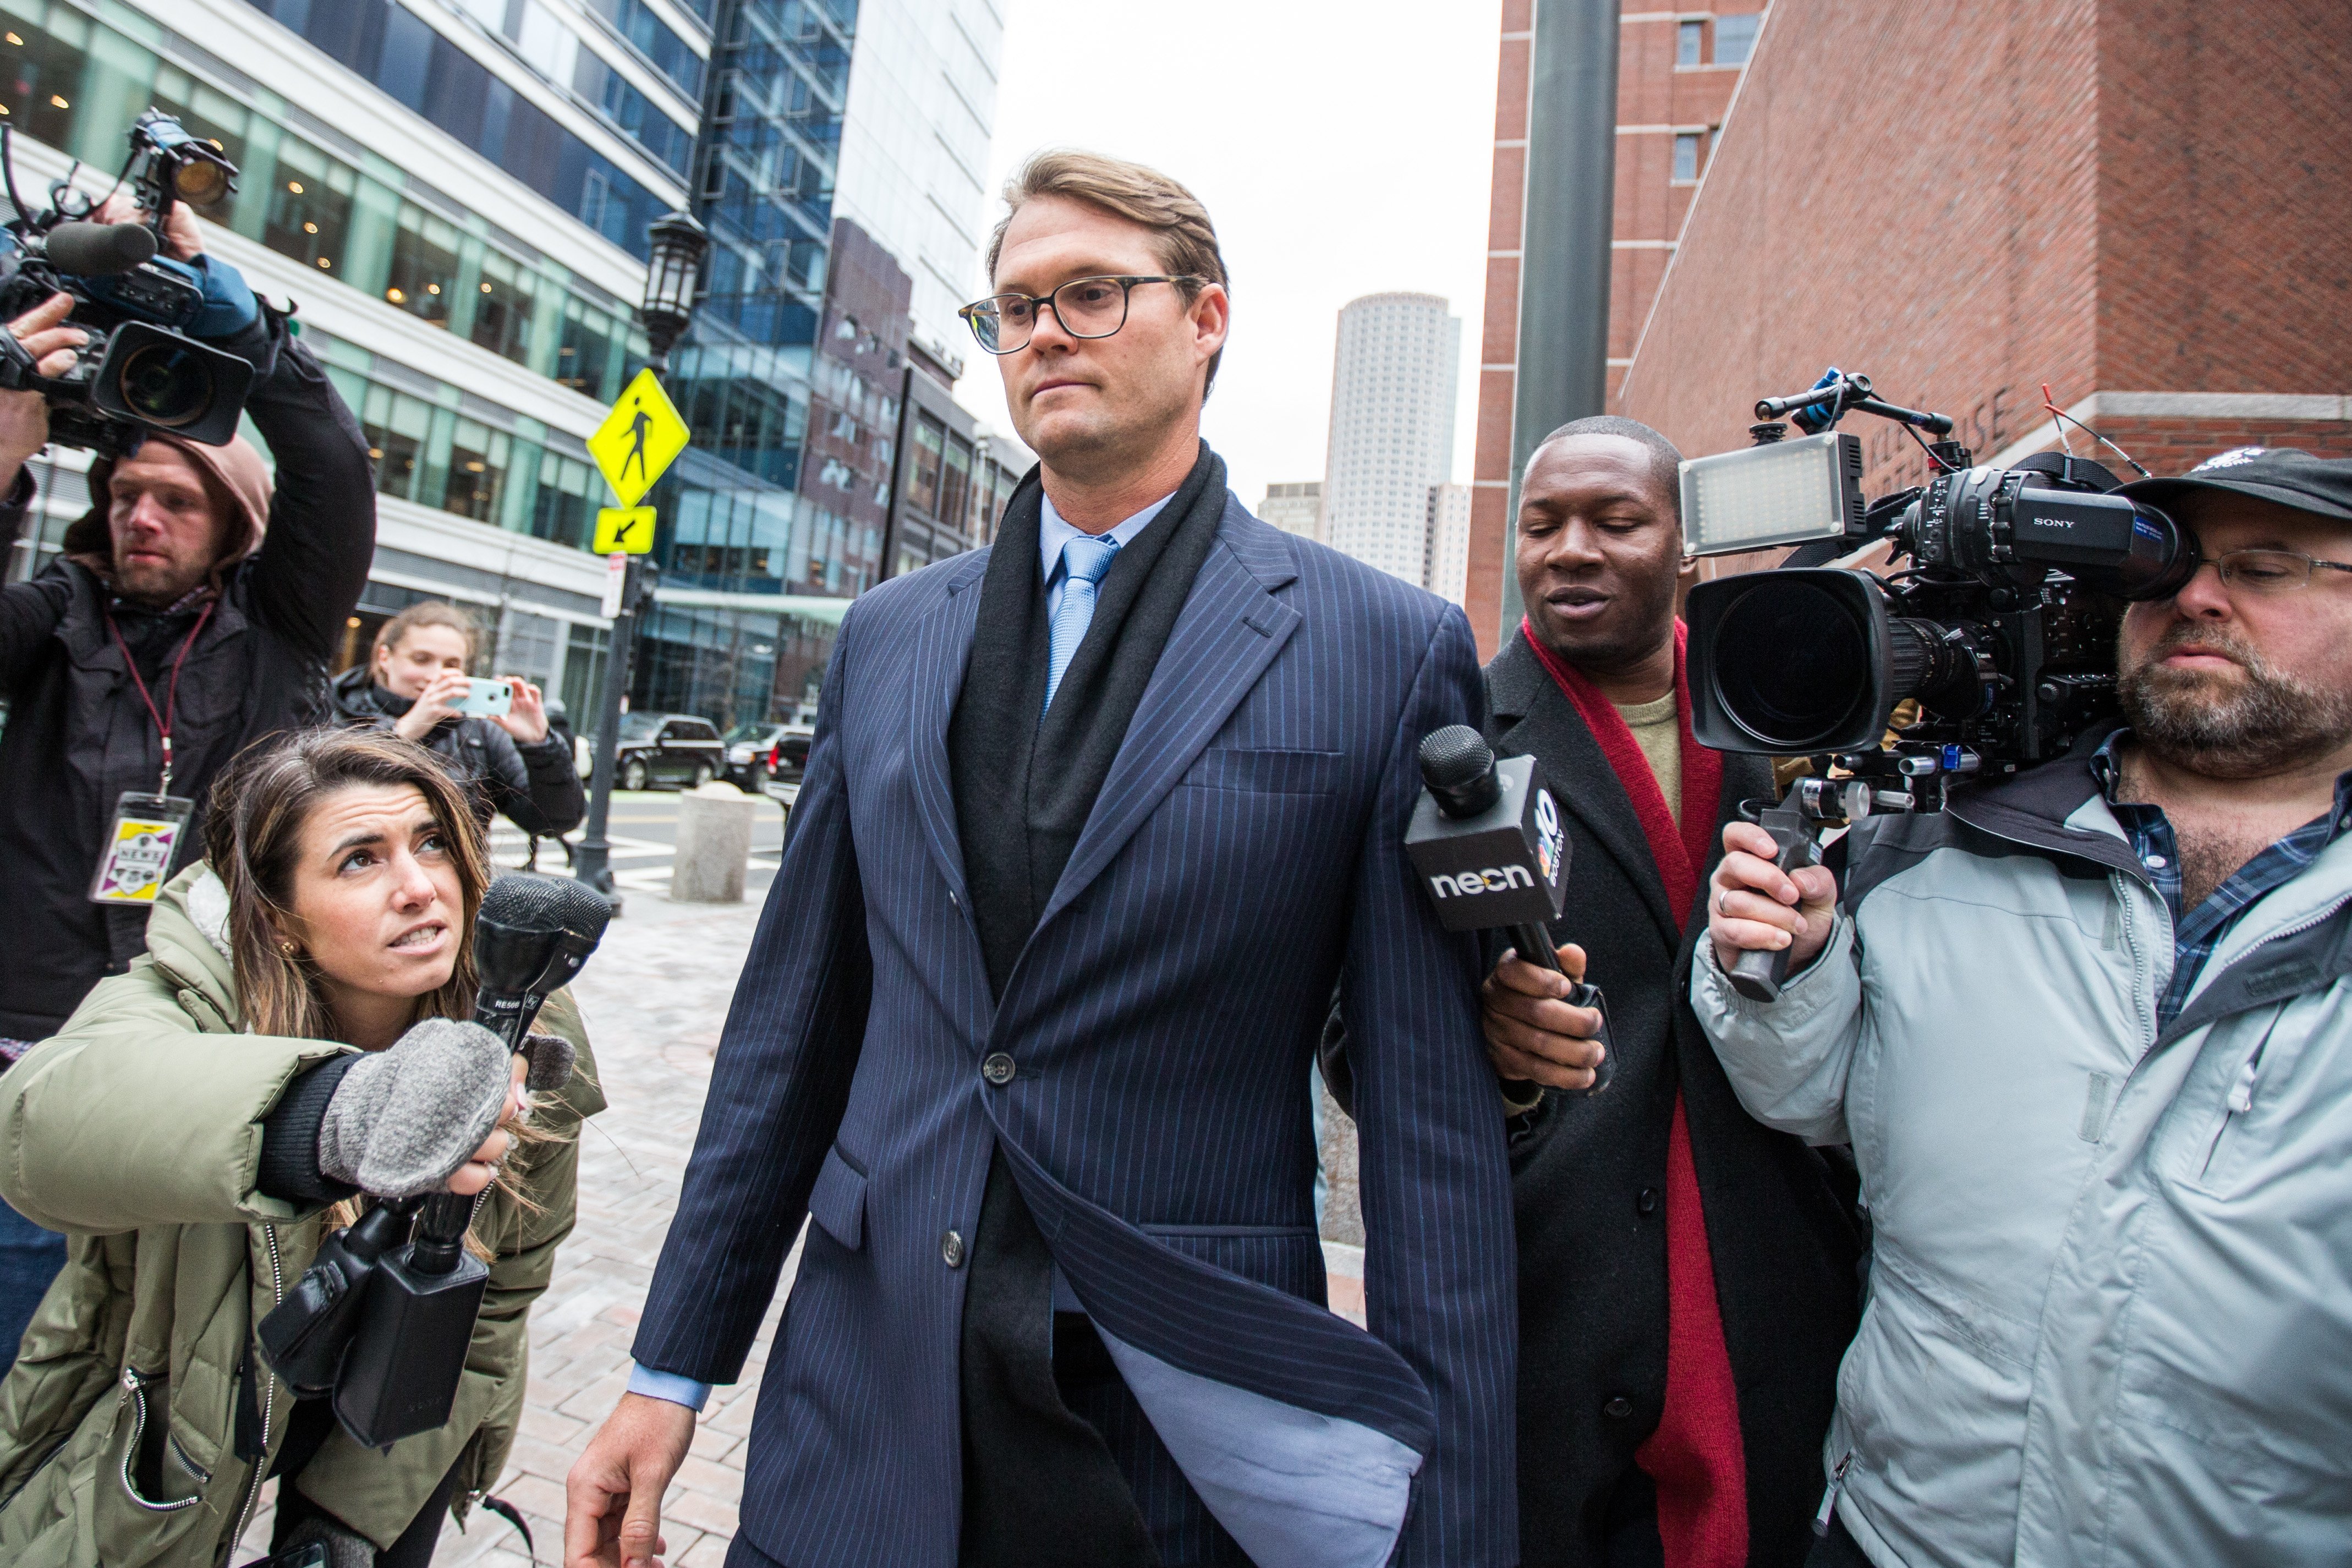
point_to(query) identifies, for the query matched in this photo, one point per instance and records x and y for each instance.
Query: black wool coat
(1589, 1178)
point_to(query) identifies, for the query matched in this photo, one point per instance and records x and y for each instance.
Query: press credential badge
(137, 854)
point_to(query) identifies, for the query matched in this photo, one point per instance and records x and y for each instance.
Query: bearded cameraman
(2086, 1032)
(191, 613)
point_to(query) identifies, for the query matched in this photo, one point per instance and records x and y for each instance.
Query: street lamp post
(673, 272)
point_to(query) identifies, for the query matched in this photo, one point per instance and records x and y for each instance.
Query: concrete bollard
(714, 843)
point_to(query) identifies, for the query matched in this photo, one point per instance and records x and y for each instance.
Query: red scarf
(1680, 852)
(1694, 1457)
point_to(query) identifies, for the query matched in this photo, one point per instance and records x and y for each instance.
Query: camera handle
(1534, 944)
(1812, 807)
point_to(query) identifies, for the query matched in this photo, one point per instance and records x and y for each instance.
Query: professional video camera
(2002, 629)
(140, 370)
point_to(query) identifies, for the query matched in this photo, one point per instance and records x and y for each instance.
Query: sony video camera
(140, 370)
(2001, 628)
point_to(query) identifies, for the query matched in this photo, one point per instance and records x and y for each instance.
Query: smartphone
(485, 699)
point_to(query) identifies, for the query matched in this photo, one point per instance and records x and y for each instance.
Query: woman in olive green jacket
(139, 1423)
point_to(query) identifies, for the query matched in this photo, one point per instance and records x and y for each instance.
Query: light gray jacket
(2110, 1310)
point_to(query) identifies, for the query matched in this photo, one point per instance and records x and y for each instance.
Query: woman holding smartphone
(414, 685)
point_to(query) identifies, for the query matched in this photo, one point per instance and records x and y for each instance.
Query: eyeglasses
(1086, 308)
(2265, 572)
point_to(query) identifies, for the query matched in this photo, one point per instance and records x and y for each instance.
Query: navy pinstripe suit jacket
(1245, 848)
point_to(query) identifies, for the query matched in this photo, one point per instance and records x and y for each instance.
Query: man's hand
(25, 416)
(611, 1510)
(437, 702)
(1754, 906)
(1531, 1034)
(183, 240)
(526, 719)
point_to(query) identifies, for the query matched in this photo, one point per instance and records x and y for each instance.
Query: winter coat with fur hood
(78, 733)
(138, 1421)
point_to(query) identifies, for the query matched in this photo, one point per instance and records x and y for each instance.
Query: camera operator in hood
(511, 763)
(2087, 1031)
(166, 610)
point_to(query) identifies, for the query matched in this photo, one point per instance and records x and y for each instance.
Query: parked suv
(662, 748)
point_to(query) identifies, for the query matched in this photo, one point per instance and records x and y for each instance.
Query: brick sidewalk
(655, 997)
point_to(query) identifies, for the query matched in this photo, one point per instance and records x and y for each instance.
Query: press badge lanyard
(136, 856)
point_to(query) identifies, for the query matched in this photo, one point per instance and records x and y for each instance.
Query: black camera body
(140, 370)
(2003, 628)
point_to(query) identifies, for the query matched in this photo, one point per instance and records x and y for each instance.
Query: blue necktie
(1086, 559)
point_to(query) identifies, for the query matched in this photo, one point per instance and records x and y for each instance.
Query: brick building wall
(1659, 98)
(2138, 202)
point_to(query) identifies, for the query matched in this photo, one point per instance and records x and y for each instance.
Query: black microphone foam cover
(527, 901)
(1458, 766)
(96, 249)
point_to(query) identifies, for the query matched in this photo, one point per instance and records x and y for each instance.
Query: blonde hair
(1183, 237)
(428, 613)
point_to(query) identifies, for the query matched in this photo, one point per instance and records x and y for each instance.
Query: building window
(1734, 39)
(931, 440)
(424, 267)
(1687, 155)
(1687, 43)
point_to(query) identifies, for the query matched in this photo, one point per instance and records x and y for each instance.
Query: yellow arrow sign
(639, 439)
(627, 529)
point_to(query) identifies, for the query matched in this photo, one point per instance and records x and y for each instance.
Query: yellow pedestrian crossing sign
(627, 529)
(639, 439)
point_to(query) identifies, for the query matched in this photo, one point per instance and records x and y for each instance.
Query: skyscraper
(1392, 393)
(457, 192)
(1295, 507)
(1449, 542)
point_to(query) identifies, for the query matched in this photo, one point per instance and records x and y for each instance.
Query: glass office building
(455, 194)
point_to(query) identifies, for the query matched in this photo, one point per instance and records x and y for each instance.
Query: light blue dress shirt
(1052, 532)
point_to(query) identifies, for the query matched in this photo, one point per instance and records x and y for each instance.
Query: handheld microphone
(98, 249)
(1487, 842)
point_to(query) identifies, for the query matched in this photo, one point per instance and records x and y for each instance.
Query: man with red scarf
(1686, 1276)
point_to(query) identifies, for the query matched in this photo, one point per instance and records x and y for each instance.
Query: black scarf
(1024, 787)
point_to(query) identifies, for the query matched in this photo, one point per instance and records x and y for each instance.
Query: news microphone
(1487, 843)
(98, 249)
(384, 1318)
(530, 937)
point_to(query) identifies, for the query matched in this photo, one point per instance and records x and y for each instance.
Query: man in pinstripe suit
(1094, 821)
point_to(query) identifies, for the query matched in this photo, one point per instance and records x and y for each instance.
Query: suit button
(951, 1251)
(1648, 1200)
(998, 1069)
(1618, 1408)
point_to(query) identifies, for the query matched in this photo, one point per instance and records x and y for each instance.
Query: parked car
(760, 755)
(662, 748)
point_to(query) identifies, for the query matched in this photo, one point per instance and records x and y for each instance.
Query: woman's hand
(422, 1115)
(437, 702)
(482, 1168)
(526, 720)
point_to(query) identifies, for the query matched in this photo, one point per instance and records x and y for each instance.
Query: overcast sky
(1342, 148)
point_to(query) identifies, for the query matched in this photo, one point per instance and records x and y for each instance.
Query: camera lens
(166, 385)
(1791, 664)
